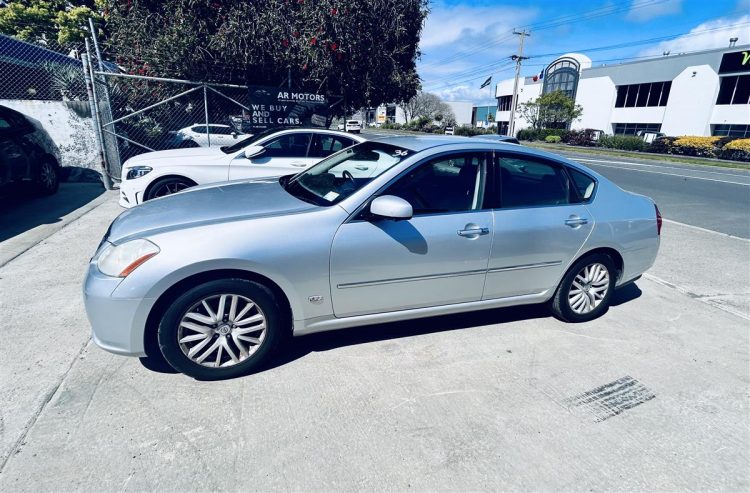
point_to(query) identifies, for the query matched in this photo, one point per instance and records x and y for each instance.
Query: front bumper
(130, 195)
(117, 324)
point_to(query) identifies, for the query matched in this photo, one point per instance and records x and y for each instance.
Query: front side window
(453, 183)
(289, 145)
(528, 183)
(339, 176)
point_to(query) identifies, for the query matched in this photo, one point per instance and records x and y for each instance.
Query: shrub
(623, 142)
(695, 146)
(736, 150)
(391, 126)
(541, 133)
(526, 134)
(469, 131)
(662, 145)
(552, 139)
(580, 137)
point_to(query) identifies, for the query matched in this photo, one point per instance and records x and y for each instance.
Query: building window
(642, 95)
(731, 130)
(504, 102)
(634, 128)
(502, 128)
(734, 89)
(562, 76)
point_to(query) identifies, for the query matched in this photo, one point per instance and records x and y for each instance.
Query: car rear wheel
(47, 180)
(221, 329)
(585, 291)
(168, 186)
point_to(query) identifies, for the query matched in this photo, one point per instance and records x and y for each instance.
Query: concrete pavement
(490, 400)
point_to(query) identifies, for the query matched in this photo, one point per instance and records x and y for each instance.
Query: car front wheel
(168, 186)
(221, 329)
(586, 290)
(48, 180)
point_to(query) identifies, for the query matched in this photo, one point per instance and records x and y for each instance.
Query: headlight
(137, 172)
(121, 260)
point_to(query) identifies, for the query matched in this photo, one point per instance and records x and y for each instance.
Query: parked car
(449, 131)
(198, 135)
(270, 153)
(497, 138)
(215, 278)
(25, 155)
(353, 126)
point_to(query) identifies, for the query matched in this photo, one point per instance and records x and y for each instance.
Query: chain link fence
(45, 81)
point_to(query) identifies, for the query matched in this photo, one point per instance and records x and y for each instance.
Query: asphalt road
(713, 198)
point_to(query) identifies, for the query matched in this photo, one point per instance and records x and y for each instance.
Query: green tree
(49, 21)
(551, 110)
(365, 50)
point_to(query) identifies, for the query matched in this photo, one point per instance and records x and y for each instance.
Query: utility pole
(514, 100)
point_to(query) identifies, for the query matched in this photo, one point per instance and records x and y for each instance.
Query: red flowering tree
(365, 50)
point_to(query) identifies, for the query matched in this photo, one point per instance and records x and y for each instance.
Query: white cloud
(717, 36)
(645, 10)
(467, 92)
(458, 24)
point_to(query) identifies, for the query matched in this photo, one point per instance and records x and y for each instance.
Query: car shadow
(22, 209)
(299, 347)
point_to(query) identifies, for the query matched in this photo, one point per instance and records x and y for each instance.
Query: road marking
(670, 221)
(702, 299)
(674, 174)
(747, 175)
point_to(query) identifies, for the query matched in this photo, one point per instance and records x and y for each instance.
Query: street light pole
(514, 100)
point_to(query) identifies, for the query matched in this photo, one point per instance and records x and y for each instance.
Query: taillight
(658, 220)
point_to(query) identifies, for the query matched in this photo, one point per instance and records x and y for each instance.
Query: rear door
(14, 163)
(541, 222)
(283, 155)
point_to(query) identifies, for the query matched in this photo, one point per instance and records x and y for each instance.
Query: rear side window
(584, 184)
(325, 145)
(530, 183)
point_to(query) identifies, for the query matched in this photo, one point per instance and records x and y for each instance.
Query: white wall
(72, 135)
(728, 114)
(597, 97)
(691, 102)
(462, 111)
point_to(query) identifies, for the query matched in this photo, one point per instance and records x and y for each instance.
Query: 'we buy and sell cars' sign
(273, 107)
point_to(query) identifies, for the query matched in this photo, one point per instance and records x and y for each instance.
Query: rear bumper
(117, 324)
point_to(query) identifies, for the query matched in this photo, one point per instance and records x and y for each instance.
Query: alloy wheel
(168, 188)
(221, 330)
(47, 175)
(589, 288)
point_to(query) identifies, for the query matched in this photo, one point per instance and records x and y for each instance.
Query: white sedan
(220, 135)
(270, 153)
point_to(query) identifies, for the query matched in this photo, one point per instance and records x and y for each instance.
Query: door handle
(299, 165)
(575, 221)
(361, 168)
(473, 232)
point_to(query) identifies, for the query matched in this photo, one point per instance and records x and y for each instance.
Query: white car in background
(271, 153)
(353, 126)
(221, 135)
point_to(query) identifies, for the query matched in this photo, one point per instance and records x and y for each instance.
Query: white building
(700, 93)
(393, 113)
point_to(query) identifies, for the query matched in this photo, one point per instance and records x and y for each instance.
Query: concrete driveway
(652, 396)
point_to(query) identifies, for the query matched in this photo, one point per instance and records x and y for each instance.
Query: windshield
(248, 141)
(342, 174)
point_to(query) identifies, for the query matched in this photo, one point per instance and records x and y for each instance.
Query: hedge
(623, 142)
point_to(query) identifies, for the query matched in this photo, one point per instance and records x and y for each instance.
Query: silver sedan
(214, 279)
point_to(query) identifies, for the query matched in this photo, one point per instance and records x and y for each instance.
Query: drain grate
(611, 399)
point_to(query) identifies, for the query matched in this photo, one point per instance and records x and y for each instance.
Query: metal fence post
(205, 110)
(95, 117)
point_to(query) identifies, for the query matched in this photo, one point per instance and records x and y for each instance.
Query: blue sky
(464, 42)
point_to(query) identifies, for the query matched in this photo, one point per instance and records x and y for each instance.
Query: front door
(540, 225)
(438, 257)
(283, 155)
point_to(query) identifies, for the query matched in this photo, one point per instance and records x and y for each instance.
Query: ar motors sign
(273, 107)
(739, 61)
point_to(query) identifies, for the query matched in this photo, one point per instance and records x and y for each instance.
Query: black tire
(276, 326)
(47, 179)
(560, 304)
(167, 186)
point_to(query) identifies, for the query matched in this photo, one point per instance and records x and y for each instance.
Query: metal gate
(140, 113)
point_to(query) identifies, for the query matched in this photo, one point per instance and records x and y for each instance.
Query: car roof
(422, 142)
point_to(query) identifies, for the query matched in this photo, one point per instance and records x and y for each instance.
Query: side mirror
(391, 207)
(254, 151)
(234, 134)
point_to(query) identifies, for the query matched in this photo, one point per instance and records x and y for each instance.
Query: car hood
(184, 156)
(209, 204)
